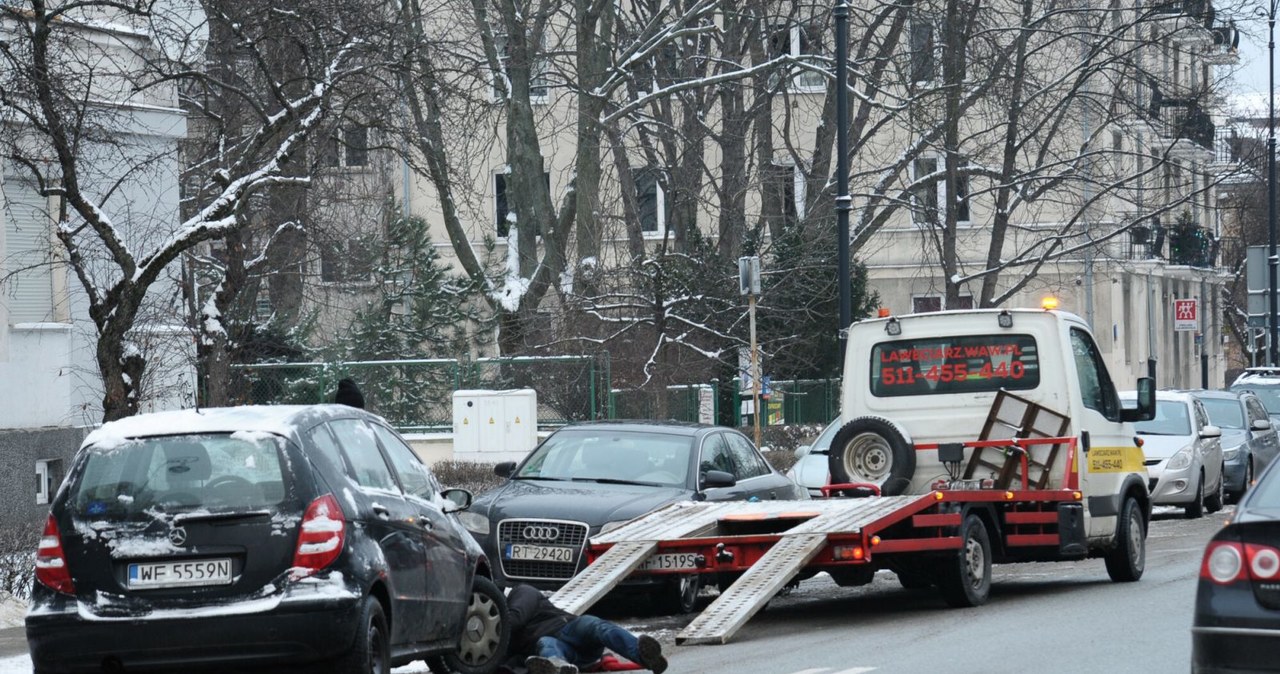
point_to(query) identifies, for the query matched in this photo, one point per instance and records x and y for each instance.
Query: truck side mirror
(1146, 409)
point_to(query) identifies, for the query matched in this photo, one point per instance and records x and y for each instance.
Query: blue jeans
(582, 641)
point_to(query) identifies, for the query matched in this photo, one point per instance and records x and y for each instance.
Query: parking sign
(1186, 315)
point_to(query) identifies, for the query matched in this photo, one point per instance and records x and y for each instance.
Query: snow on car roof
(278, 419)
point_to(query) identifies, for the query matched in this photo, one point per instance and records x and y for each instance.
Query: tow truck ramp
(796, 545)
(735, 606)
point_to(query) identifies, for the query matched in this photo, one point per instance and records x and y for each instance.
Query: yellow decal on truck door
(1116, 460)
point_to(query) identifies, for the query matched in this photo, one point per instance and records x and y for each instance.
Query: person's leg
(554, 657)
(589, 636)
(551, 647)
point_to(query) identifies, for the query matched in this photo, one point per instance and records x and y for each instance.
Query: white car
(811, 470)
(1183, 454)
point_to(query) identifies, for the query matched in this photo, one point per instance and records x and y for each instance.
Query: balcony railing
(1182, 118)
(1146, 242)
(1197, 9)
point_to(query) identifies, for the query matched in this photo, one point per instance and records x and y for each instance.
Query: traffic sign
(1186, 315)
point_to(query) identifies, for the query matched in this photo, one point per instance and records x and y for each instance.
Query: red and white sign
(1186, 315)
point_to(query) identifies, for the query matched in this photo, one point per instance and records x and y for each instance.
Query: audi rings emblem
(178, 536)
(540, 533)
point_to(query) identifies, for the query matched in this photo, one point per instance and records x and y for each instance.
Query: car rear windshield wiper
(182, 518)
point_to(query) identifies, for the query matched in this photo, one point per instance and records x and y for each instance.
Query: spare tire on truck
(874, 451)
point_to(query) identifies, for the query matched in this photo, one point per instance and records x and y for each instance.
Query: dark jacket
(532, 617)
(349, 394)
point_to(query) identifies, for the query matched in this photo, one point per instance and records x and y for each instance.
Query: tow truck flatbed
(771, 542)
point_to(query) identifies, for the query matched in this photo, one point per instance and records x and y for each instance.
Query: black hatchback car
(248, 536)
(1237, 617)
(589, 478)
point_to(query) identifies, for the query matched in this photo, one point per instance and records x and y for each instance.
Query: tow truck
(973, 437)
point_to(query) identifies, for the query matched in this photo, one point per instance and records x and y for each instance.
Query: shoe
(651, 657)
(537, 664)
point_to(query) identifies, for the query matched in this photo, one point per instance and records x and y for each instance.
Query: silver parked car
(1249, 440)
(1183, 454)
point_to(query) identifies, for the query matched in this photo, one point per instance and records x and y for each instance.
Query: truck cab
(934, 378)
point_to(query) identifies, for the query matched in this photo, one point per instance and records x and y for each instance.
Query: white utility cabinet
(494, 426)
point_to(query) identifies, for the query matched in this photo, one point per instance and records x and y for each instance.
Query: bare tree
(70, 97)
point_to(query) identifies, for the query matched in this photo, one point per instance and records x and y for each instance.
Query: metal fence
(797, 401)
(417, 395)
(685, 402)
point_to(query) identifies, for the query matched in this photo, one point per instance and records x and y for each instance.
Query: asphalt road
(1066, 618)
(1043, 618)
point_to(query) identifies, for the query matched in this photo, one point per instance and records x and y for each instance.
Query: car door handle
(381, 512)
(425, 522)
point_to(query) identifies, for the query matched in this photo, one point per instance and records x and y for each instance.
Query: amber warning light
(1049, 303)
(884, 312)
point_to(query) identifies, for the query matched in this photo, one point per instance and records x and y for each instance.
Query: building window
(343, 262)
(651, 201)
(803, 42)
(347, 146)
(503, 209)
(923, 304)
(922, 44)
(929, 196)
(539, 89)
(925, 194)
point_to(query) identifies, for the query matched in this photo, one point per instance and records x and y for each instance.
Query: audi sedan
(258, 536)
(1236, 626)
(589, 478)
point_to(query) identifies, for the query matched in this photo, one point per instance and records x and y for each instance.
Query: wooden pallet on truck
(771, 542)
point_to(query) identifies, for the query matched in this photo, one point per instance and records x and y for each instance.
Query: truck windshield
(954, 364)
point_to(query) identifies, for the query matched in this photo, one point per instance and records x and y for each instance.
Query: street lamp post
(844, 203)
(1272, 260)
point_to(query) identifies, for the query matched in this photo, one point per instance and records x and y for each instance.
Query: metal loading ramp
(735, 606)
(595, 581)
(635, 541)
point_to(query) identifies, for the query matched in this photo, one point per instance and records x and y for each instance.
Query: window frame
(538, 70)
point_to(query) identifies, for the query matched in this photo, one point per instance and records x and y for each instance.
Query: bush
(18, 559)
(475, 476)
(782, 461)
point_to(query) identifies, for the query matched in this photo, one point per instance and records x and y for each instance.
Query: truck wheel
(1128, 559)
(1195, 509)
(679, 595)
(965, 579)
(1214, 503)
(870, 449)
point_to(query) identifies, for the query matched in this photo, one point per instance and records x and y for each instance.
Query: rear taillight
(51, 561)
(320, 537)
(1227, 562)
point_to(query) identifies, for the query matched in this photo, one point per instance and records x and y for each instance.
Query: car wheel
(1126, 561)
(371, 653)
(679, 595)
(1214, 503)
(486, 633)
(872, 450)
(965, 579)
(1195, 509)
